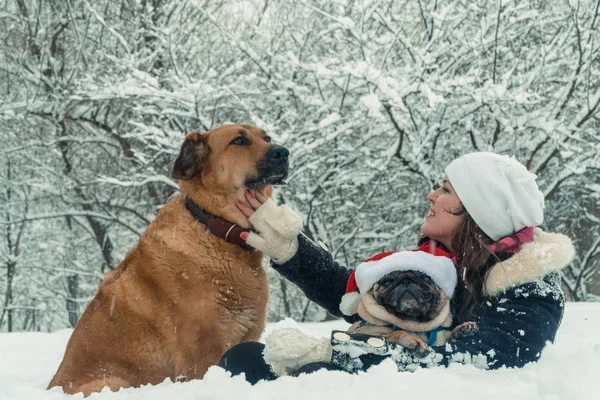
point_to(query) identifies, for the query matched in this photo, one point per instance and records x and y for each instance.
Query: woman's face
(442, 221)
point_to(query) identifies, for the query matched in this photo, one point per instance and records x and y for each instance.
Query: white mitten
(288, 349)
(278, 228)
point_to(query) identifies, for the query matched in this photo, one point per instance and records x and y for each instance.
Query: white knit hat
(428, 259)
(498, 192)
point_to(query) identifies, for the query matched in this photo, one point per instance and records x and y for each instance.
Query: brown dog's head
(410, 295)
(216, 167)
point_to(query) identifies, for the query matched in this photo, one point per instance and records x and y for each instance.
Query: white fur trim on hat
(440, 268)
(349, 303)
(499, 193)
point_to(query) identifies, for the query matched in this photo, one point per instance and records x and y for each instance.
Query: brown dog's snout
(272, 168)
(278, 154)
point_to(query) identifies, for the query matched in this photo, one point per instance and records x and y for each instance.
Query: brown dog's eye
(268, 139)
(241, 141)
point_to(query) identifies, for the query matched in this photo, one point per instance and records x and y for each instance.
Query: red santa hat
(428, 258)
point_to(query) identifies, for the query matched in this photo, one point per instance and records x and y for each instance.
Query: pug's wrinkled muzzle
(415, 298)
(408, 301)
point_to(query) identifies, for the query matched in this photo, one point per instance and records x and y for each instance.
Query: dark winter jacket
(522, 310)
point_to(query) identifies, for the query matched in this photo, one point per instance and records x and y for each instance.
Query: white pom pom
(349, 303)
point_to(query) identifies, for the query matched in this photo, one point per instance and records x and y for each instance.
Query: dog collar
(219, 227)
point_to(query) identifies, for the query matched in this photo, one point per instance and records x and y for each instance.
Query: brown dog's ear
(193, 151)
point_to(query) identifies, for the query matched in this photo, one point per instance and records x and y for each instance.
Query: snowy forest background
(373, 99)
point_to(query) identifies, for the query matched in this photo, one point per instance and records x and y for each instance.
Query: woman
(485, 213)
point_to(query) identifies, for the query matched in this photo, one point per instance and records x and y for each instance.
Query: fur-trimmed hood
(547, 253)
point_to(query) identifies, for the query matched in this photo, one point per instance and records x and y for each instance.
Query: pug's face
(409, 295)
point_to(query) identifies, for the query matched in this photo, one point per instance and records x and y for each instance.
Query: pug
(405, 307)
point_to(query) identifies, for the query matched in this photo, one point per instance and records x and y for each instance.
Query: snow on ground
(568, 370)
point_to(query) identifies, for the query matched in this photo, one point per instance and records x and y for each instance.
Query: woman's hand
(255, 199)
(277, 227)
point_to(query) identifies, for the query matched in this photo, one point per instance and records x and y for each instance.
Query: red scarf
(514, 242)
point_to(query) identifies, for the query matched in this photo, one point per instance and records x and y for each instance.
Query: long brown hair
(474, 260)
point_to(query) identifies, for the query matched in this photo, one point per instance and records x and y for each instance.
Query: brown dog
(182, 296)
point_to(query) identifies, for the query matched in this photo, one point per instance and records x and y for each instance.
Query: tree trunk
(72, 289)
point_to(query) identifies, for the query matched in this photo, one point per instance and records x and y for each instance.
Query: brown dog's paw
(408, 341)
(465, 329)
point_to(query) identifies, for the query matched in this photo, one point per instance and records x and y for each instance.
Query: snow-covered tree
(372, 97)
